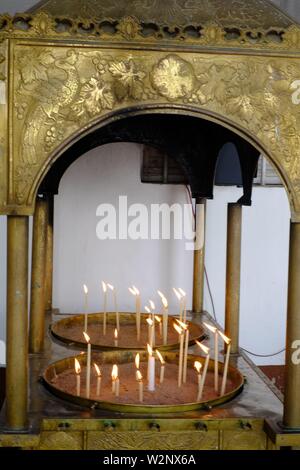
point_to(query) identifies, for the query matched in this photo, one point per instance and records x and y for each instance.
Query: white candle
(227, 341)
(150, 332)
(115, 380)
(77, 372)
(198, 366)
(214, 330)
(165, 317)
(139, 379)
(116, 338)
(88, 365)
(137, 364)
(178, 295)
(162, 366)
(151, 369)
(116, 305)
(180, 364)
(86, 293)
(138, 312)
(152, 306)
(98, 372)
(205, 349)
(104, 287)
(186, 332)
(183, 295)
(158, 319)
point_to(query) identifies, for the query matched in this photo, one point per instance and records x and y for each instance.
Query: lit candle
(88, 365)
(152, 306)
(150, 331)
(86, 293)
(115, 380)
(198, 366)
(183, 295)
(181, 339)
(77, 372)
(162, 366)
(185, 328)
(158, 319)
(116, 305)
(116, 337)
(165, 317)
(178, 295)
(205, 349)
(138, 312)
(139, 378)
(98, 372)
(137, 363)
(104, 287)
(214, 330)
(151, 369)
(134, 291)
(227, 341)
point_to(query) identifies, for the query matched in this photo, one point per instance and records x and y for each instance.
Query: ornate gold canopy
(70, 67)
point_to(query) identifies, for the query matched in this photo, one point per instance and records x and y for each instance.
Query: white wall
(107, 172)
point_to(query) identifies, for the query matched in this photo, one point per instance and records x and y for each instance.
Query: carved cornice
(130, 30)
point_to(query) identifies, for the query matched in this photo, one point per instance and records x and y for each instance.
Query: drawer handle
(201, 426)
(64, 426)
(245, 425)
(154, 427)
(109, 426)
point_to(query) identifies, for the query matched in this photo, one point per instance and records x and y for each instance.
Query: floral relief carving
(60, 91)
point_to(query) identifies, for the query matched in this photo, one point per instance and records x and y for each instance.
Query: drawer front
(131, 440)
(61, 440)
(243, 440)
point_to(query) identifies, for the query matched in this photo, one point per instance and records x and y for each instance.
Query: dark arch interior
(193, 142)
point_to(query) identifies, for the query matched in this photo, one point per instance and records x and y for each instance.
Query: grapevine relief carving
(59, 92)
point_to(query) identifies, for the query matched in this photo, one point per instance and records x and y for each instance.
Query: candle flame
(198, 366)
(139, 376)
(160, 357)
(104, 287)
(165, 302)
(149, 321)
(150, 350)
(116, 333)
(77, 366)
(110, 286)
(86, 337)
(205, 349)
(225, 338)
(158, 319)
(147, 309)
(152, 305)
(97, 369)
(178, 295)
(86, 291)
(161, 295)
(132, 291)
(177, 328)
(210, 327)
(182, 292)
(184, 326)
(137, 361)
(114, 372)
(136, 290)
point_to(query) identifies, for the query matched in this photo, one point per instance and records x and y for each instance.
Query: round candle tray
(59, 378)
(69, 330)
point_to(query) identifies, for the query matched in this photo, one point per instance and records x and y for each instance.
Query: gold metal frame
(122, 357)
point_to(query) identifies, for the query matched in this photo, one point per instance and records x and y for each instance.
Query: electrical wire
(210, 292)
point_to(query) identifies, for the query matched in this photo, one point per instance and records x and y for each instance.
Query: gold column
(37, 305)
(292, 372)
(233, 275)
(17, 322)
(199, 257)
(49, 256)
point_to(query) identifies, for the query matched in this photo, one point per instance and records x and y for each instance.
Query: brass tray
(122, 357)
(61, 331)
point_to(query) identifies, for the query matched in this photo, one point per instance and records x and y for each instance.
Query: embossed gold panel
(61, 92)
(61, 440)
(131, 440)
